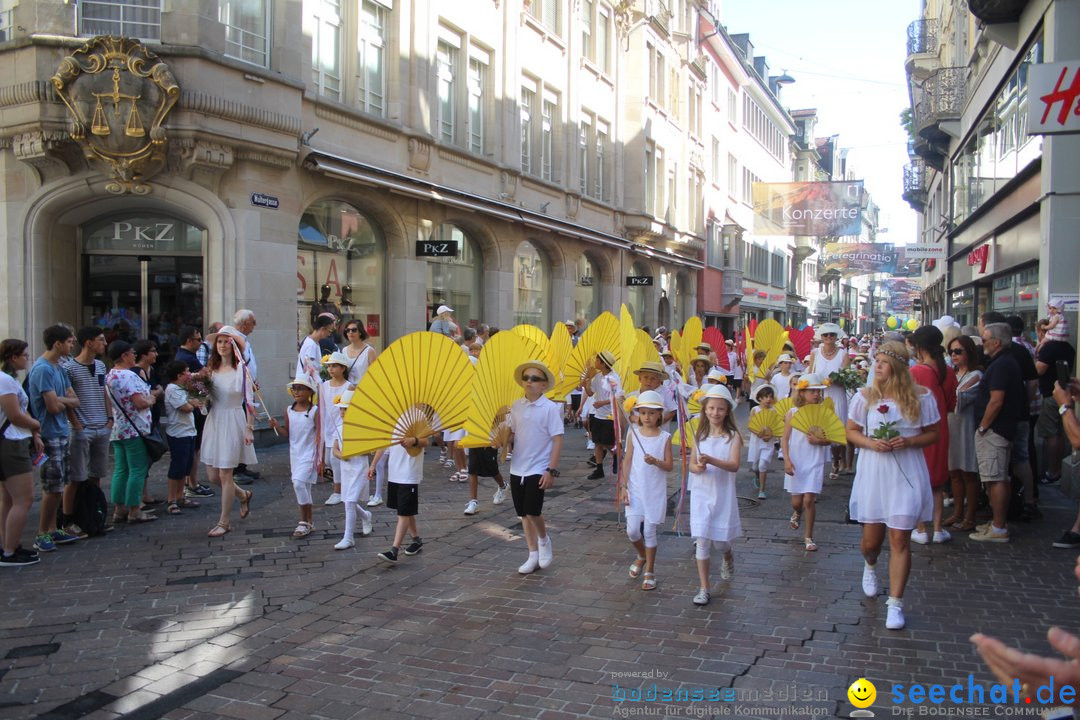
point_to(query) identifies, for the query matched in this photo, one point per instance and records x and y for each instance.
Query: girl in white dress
(643, 487)
(760, 452)
(781, 379)
(338, 368)
(354, 483)
(804, 460)
(228, 435)
(714, 508)
(891, 421)
(826, 359)
(299, 427)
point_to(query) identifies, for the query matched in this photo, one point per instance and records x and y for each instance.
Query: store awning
(415, 187)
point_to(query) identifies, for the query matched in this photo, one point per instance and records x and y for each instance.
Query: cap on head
(444, 309)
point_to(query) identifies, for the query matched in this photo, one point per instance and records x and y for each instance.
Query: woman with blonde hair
(891, 420)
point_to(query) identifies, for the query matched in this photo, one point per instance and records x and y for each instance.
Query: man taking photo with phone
(1053, 363)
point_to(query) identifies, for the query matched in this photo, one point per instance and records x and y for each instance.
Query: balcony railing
(997, 11)
(916, 184)
(942, 99)
(922, 37)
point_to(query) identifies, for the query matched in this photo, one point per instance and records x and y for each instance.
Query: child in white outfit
(804, 459)
(299, 427)
(643, 482)
(354, 482)
(761, 448)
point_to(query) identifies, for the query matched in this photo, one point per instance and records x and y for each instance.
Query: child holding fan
(760, 452)
(804, 458)
(299, 427)
(643, 487)
(714, 508)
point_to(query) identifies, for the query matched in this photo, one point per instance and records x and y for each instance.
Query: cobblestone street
(158, 620)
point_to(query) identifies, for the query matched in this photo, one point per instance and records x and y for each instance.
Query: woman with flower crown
(891, 420)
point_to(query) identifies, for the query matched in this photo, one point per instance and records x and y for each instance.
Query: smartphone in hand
(1062, 373)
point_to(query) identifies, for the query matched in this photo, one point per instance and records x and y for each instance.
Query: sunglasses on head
(533, 378)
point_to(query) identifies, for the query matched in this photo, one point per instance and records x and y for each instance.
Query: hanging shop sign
(639, 280)
(436, 248)
(982, 258)
(925, 251)
(1054, 104)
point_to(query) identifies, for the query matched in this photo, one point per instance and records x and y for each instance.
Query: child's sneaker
(727, 569)
(869, 581)
(530, 565)
(590, 445)
(470, 507)
(761, 495)
(895, 618)
(75, 530)
(344, 544)
(44, 543)
(63, 537)
(500, 496)
(334, 499)
(375, 501)
(702, 598)
(546, 554)
(389, 556)
(365, 525)
(922, 538)
(414, 547)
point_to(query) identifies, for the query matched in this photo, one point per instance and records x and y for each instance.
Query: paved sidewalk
(158, 620)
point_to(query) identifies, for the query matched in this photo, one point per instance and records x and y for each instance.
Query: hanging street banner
(852, 259)
(900, 294)
(908, 265)
(823, 209)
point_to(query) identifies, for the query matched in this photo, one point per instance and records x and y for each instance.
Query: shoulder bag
(155, 445)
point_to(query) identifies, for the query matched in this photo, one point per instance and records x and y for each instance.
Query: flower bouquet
(324, 372)
(847, 378)
(198, 388)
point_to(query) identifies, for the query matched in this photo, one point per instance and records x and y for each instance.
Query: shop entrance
(142, 277)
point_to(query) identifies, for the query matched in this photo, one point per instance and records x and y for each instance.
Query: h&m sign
(436, 248)
(639, 280)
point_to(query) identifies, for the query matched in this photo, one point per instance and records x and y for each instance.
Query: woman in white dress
(228, 436)
(714, 508)
(891, 420)
(826, 359)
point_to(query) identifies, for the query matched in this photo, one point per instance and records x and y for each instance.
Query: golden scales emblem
(118, 93)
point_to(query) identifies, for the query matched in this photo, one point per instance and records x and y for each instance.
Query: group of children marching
(714, 458)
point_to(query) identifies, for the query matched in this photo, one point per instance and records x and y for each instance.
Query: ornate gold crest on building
(118, 94)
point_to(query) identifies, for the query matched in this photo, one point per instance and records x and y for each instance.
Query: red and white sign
(924, 251)
(982, 258)
(1054, 104)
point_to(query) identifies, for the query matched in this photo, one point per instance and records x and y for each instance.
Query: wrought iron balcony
(916, 184)
(942, 101)
(922, 37)
(992, 12)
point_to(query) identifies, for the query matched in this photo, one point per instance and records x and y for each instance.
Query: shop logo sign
(979, 256)
(436, 248)
(639, 280)
(117, 94)
(1057, 85)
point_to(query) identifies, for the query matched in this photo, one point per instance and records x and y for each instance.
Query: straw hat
(303, 380)
(719, 391)
(764, 386)
(812, 381)
(785, 358)
(715, 374)
(829, 328)
(229, 330)
(338, 358)
(649, 399)
(532, 365)
(707, 346)
(701, 358)
(607, 357)
(650, 367)
(666, 352)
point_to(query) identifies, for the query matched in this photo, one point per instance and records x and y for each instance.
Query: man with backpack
(51, 397)
(92, 427)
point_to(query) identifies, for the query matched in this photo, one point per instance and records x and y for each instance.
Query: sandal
(834, 476)
(174, 509)
(635, 568)
(119, 519)
(649, 583)
(303, 529)
(245, 504)
(811, 546)
(187, 503)
(141, 518)
(965, 526)
(152, 501)
(951, 520)
(793, 521)
(218, 530)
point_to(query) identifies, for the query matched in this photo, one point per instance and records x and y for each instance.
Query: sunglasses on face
(956, 351)
(828, 335)
(351, 330)
(533, 378)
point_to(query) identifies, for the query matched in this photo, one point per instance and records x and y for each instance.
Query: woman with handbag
(228, 436)
(131, 402)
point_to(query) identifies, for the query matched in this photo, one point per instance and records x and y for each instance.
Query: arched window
(454, 279)
(531, 288)
(586, 290)
(340, 266)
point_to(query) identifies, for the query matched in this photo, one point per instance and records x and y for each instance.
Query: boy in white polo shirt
(404, 469)
(538, 429)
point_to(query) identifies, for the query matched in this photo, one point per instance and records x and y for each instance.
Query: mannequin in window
(324, 305)
(346, 296)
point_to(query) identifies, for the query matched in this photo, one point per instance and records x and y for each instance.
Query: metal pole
(144, 293)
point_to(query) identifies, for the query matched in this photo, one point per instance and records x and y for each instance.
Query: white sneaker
(365, 525)
(727, 569)
(895, 618)
(545, 553)
(470, 507)
(529, 566)
(448, 462)
(920, 537)
(590, 445)
(500, 496)
(942, 536)
(948, 502)
(869, 581)
(374, 502)
(334, 499)
(344, 544)
(702, 597)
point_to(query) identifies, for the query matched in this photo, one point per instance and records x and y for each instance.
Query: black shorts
(200, 422)
(403, 497)
(15, 458)
(575, 403)
(484, 461)
(602, 431)
(527, 495)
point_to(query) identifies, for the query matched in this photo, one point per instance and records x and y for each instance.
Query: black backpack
(91, 509)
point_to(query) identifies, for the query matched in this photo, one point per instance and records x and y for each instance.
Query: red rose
(883, 409)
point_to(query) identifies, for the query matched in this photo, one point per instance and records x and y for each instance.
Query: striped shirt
(89, 384)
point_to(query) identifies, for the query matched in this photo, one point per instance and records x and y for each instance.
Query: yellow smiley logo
(862, 693)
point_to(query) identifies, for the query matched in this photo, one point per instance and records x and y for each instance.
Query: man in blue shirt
(51, 399)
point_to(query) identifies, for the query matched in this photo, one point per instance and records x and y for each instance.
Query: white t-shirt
(8, 386)
(310, 355)
(602, 390)
(535, 424)
(178, 424)
(402, 468)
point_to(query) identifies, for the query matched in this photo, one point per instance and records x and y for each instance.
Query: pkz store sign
(436, 248)
(1054, 104)
(639, 280)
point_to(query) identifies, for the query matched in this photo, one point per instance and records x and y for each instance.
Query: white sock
(534, 554)
(364, 512)
(895, 601)
(544, 540)
(870, 567)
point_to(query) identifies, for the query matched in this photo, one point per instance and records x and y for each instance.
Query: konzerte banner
(851, 259)
(822, 209)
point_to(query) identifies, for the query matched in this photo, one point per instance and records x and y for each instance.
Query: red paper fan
(802, 340)
(752, 327)
(714, 337)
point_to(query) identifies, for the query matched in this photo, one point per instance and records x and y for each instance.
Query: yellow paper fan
(559, 348)
(416, 387)
(768, 333)
(651, 353)
(691, 338)
(535, 334)
(601, 334)
(828, 402)
(644, 351)
(494, 390)
(782, 406)
(675, 343)
(820, 422)
(690, 428)
(763, 419)
(628, 342)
